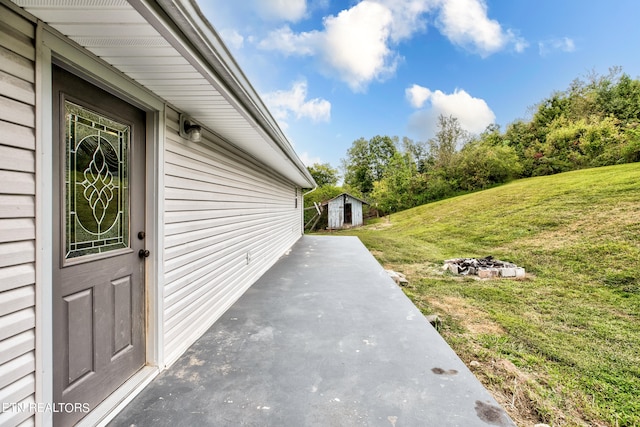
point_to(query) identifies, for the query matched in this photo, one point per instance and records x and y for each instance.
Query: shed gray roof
(350, 195)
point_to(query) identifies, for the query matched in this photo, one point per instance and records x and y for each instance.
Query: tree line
(594, 122)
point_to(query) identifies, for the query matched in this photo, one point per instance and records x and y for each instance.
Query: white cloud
(408, 16)
(466, 24)
(417, 95)
(308, 160)
(564, 44)
(289, 43)
(357, 44)
(285, 103)
(281, 10)
(473, 114)
(232, 38)
(353, 45)
(520, 44)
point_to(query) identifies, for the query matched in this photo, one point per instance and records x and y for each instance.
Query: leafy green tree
(630, 152)
(620, 98)
(448, 138)
(518, 135)
(324, 174)
(418, 153)
(322, 194)
(587, 142)
(481, 164)
(492, 135)
(381, 149)
(367, 162)
(550, 109)
(357, 166)
(394, 191)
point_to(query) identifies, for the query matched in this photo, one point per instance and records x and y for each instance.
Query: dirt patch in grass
(474, 320)
(381, 224)
(511, 388)
(376, 254)
(415, 270)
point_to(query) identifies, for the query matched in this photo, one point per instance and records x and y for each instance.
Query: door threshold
(114, 403)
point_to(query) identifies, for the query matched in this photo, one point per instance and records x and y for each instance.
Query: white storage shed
(345, 211)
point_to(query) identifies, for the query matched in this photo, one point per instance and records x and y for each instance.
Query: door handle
(143, 253)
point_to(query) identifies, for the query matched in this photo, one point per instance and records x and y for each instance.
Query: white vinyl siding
(227, 219)
(17, 216)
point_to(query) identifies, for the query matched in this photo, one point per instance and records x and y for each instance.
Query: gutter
(196, 29)
(311, 191)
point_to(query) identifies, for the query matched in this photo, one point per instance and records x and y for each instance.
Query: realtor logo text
(46, 407)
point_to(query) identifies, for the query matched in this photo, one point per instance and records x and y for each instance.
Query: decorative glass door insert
(97, 190)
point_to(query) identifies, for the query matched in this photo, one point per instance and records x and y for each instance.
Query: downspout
(309, 192)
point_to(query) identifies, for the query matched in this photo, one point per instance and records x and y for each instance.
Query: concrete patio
(324, 338)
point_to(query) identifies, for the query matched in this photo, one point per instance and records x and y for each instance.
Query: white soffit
(117, 33)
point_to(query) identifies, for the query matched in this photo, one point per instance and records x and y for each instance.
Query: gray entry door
(98, 273)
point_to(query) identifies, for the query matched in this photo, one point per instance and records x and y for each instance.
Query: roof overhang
(171, 49)
(364, 202)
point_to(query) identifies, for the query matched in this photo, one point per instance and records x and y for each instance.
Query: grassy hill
(563, 345)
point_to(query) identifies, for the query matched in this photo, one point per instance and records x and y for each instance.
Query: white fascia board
(189, 32)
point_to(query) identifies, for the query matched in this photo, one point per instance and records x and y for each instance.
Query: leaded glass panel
(97, 188)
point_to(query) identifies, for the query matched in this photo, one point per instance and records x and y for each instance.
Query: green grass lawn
(563, 345)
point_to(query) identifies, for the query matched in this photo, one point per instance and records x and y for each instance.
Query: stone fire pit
(484, 268)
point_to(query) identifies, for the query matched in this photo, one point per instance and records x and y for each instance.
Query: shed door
(98, 276)
(348, 213)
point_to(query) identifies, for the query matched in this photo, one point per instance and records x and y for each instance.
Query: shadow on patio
(324, 338)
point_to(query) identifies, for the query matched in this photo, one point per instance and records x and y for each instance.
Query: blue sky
(334, 71)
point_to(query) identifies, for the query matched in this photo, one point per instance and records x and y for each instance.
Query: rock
(508, 272)
(487, 273)
(399, 278)
(393, 275)
(474, 364)
(434, 319)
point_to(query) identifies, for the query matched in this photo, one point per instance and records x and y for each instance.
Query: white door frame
(49, 45)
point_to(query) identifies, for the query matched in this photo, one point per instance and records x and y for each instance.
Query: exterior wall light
(190, 130)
